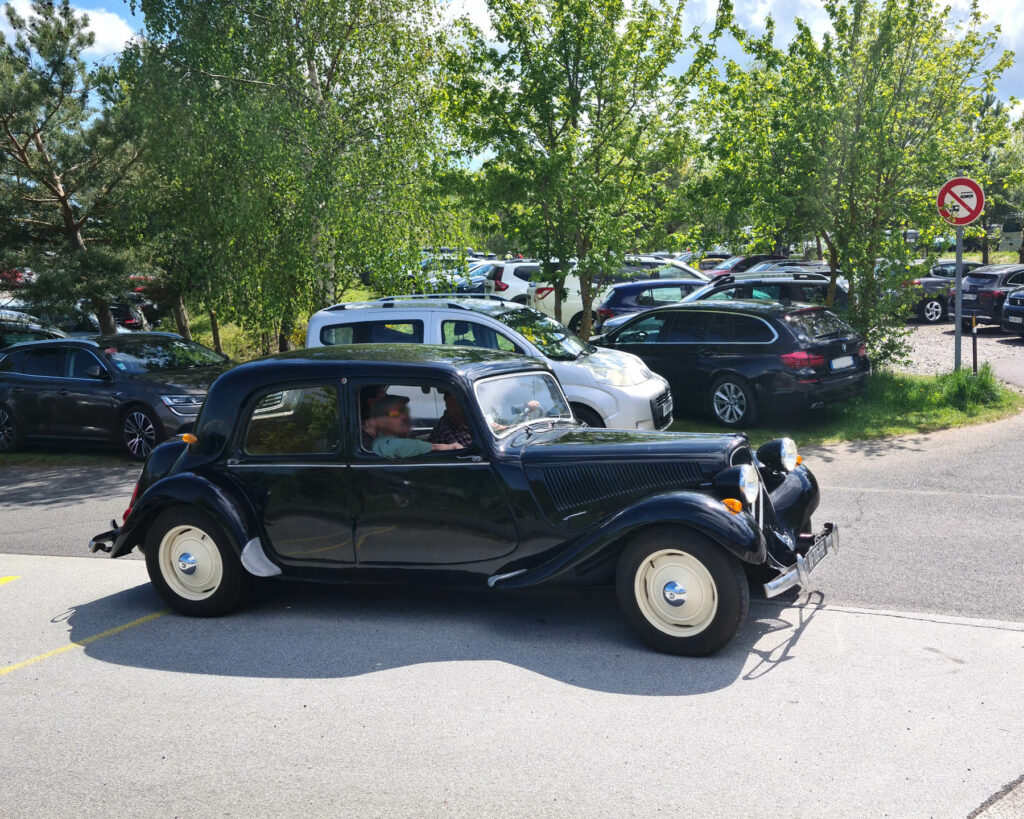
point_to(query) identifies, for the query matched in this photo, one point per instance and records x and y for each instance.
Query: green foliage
(968, 391)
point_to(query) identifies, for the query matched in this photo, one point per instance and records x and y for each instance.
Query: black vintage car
(460, 466)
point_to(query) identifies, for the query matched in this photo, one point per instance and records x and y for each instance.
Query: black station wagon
(460, 466)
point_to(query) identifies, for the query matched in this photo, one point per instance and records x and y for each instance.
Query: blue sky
(113, 23)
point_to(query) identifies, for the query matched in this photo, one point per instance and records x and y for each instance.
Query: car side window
(82, 363)
(526, 272)
(661, 295)
(373, 332)
(47, 362)
(812, 294)
(645, 331)
(300, 421)
(688, 328)
(750, 330)
(406, 420)
(462, 333)
(728, 294)
(1016, 278)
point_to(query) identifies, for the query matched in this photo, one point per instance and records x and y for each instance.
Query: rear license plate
(1015, 319)
(842, 363)
(816, 553)
(970, 296)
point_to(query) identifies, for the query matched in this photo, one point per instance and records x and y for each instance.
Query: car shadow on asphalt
(876, 448)
(59, 485)
(308, 631)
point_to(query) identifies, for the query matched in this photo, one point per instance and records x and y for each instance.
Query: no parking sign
(961, 201)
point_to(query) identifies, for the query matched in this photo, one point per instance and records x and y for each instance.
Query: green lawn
(893, 404)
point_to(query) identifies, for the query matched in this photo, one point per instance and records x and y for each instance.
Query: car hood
(197, 379)
(629, 367)
(585, 474)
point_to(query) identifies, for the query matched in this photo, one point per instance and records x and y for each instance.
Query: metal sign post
(960, 202)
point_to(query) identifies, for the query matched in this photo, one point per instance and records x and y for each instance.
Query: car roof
(762, 308)
(492, 306)
(643, 284)
(94, 341)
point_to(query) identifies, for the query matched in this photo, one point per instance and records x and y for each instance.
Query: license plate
(970, 296)
(842, 363)
(1015, 319)
(816, 553)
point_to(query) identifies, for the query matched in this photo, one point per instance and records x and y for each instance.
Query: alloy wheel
(139, 434)
(730, 402)
(7, 433)
(932, 311)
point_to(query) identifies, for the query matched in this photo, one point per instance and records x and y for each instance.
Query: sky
(113, 24)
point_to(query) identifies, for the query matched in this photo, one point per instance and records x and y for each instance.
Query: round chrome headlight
(779, 454)
(787, 454)
(749, 485)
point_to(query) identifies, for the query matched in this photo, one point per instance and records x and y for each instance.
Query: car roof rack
(441, 296)
(442, 299)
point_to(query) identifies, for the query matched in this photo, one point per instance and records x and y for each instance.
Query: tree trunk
(817, 240)
(215, 330)
(830, 299)
(984, 245)
(105, 317)
(181, 317)
(284, 334)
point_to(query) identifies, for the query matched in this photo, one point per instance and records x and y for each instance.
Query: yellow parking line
(79, 644)
(9, 578)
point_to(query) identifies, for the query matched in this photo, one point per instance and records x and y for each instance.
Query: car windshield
(137, 356)
(546, 334)
(815, 325)
(512, 401)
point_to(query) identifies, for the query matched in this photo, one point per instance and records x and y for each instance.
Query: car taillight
(131, 503)
(544, 291)
(990, 293)
(917, 282)
(862, 351)
(500, 285)
(605, 313)
(802, 359)
(131, 322)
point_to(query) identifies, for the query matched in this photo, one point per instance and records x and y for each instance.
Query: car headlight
(183, 404)
(779, 454)
(743, 478)
(625, 376)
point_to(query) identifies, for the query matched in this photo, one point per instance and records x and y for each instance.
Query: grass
(994, 256)
(64, 458)
(892, 404)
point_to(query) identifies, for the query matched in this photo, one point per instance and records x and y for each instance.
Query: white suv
(511, 279)
(605, 387)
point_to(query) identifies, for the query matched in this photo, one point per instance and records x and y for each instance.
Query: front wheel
(932, 311)
(587, 416)
(140, 432)
(10, 432)
(732, 402)
(192, 566)
(682, 593)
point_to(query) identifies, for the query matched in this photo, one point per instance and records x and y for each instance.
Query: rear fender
(737, 534)
(227, 506)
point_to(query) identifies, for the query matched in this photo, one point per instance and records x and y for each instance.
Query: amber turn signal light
(189, 438)
(733, 505)
(799, 459)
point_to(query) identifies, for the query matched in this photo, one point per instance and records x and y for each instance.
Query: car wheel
(732, 402)
(682, 593)
(520, 300)
(10, 434)
(192, 566)
(932, 311)
(587, 416)
(140, 432)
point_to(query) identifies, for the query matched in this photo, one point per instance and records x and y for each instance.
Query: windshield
(512, 401)
(546, 334)
(152, 355)
(814, 325)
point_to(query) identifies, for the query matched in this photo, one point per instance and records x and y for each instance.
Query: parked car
(542, 296)
(1010, 236)
(605, 389)
(16, 327)
(985, 290)
(675, 269)
(735, 359)
(134, 390)
(933, 305)
(511, 280)
(1013, 313)
(740, 264)
(785, 287)
(79, 324)
(634, 297)
(676, 521)
(712, 259)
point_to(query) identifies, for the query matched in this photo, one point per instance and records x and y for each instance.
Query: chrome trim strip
(406, 462)
(279, 465)
(256, 562)
(497, 578)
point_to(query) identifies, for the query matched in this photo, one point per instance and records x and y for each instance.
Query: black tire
(932, 310)
(577, 321)
(731, 402)
(140, 431)
(10, 431)
(587, 416)
(520, 300)
(187, 530)
(719, 594)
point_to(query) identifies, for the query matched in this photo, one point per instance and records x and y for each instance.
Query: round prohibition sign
(961, 201)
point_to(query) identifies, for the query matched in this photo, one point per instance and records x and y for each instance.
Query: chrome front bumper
(105, 542)
(800, 573)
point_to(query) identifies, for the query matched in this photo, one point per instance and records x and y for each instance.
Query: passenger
(389, 425)
(452, 427)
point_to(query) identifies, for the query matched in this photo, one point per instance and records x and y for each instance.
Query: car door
(36, 392)
(87, 398)
(739, 344)
(289, 460)
(438, 508)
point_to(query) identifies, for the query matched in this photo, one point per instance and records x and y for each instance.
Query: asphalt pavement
(892, 689)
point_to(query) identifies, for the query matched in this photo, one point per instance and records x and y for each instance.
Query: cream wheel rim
(676, 593)
(190, 562)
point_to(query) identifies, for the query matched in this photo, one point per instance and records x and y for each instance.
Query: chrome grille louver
(572, 487)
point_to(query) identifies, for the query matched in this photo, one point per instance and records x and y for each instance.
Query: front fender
(225, 504)
(737, 534)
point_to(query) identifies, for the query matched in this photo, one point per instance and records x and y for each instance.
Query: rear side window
(6, 363)
(813, 325)
(303, 421)
(49, 363)
(526, 272)
(373, 332)
(1016, 278)
(730, 328)
(470, 334)
(661, 295)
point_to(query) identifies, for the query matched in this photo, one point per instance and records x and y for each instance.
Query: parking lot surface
(892, 689)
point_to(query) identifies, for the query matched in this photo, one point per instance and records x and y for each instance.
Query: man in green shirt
(390, 425)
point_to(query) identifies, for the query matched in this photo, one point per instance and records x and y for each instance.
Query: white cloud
(475, 10)
(111, 30)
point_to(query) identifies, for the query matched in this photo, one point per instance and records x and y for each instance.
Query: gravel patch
(933, 345)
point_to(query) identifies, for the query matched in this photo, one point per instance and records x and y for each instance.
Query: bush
(969, 391)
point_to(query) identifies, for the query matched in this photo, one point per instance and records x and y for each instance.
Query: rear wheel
(587, 416)
(732, 402)
(10, 432)
(520, 300)
(140, 432)
(191, 564)
(682, 593)
(932, 311)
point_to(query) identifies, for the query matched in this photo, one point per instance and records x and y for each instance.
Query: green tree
(574, 106)
(65, 154)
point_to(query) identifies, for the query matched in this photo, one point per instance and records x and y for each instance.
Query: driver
(390, 426)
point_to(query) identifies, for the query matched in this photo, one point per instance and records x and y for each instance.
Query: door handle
(473, 459)
(17, 389)
(707, 351)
